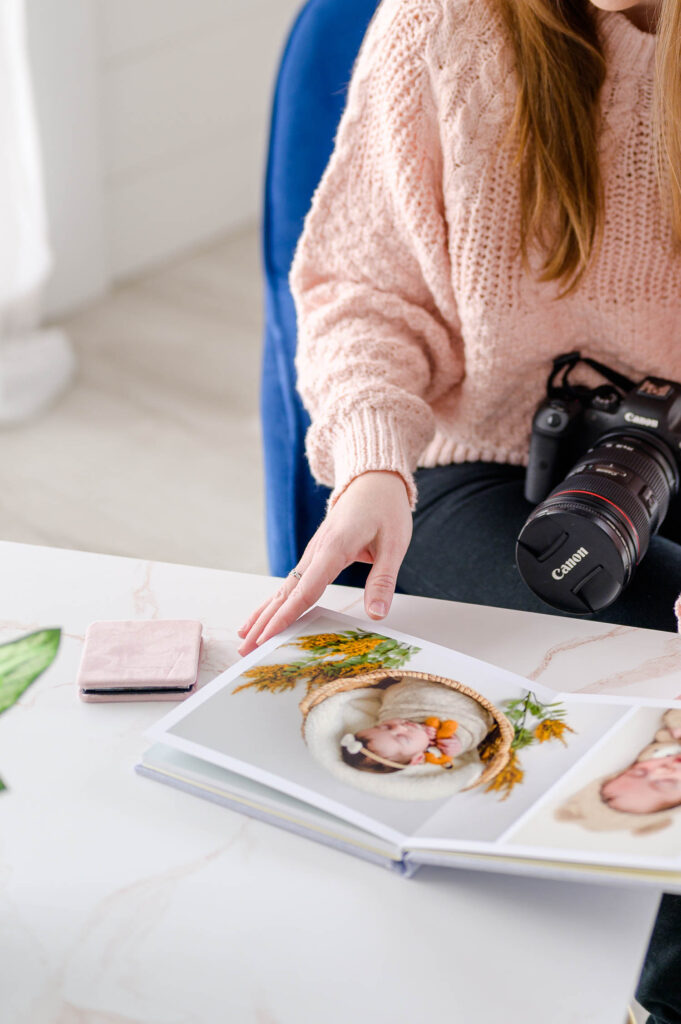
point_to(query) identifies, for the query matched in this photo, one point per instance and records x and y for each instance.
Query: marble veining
(108, 939)
(16, 628)
(574, 644)
(651, 668)
(70, 1014)
(264, 1016)
(219, 652)
(144, 599)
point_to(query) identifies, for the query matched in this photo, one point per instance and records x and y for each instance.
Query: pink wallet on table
(132, 660)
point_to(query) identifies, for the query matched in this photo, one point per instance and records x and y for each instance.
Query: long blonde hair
(560, 69)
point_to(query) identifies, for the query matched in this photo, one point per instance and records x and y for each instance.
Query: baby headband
(355, 746)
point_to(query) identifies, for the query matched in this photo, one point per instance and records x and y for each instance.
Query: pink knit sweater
(422, 341)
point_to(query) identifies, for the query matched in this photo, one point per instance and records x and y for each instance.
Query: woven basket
(496, 746)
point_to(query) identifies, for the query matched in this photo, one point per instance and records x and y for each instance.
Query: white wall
(154, 116)
(62, 41)
(186, 87)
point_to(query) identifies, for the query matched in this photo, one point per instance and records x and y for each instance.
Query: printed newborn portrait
(419, 722)
(641, 795)
(406, 735)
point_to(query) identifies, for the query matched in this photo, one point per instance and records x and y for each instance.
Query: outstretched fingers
(257, 622)
(321, 571)
(244, 630)
(294, 597)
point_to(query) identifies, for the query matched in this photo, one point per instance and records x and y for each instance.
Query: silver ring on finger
(298, 575)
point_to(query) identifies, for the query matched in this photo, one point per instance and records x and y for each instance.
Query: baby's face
(646, 786)
(397, 739)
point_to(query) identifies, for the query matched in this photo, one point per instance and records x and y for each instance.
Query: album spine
(558, 872)
(399, 867)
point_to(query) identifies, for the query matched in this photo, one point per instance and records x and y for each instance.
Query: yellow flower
(338, 643)
(508, 778)
(268, 677)
(325, 672)
(311, 643)
(552, 728)
(362, 645)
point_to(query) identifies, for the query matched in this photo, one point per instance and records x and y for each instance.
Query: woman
(505, 187)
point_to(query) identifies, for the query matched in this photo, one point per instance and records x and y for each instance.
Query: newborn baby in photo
(418, 722)
(639, 796)
(653, 782)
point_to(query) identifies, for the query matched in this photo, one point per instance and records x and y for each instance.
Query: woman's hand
(370, 522)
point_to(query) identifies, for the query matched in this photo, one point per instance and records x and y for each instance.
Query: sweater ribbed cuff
(369, 440)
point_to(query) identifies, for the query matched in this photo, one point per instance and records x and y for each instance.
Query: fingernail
(377, 608)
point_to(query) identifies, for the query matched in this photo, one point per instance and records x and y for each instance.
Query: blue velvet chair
(309, 99)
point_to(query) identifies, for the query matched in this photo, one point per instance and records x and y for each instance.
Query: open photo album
(407, 753)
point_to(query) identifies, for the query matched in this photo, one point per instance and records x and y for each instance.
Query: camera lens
(580, 546)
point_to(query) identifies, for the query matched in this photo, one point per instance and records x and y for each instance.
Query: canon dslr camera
(593, 521)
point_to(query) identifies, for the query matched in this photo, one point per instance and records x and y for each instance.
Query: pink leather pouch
(132, 660)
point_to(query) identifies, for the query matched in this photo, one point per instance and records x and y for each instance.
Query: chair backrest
(308, 102)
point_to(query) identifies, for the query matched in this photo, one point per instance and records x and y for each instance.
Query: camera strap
(567, 363)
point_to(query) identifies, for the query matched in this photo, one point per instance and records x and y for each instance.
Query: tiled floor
(155, 450)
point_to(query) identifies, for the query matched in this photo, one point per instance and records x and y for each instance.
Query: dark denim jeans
(463, 549)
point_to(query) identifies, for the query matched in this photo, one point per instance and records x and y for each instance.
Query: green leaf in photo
(22, 661)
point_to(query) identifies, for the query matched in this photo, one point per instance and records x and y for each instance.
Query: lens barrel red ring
(593, 494)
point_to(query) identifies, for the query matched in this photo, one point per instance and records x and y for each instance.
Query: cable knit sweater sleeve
(378, 331)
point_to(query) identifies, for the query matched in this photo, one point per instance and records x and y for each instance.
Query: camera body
(604, 463)
(566, 426)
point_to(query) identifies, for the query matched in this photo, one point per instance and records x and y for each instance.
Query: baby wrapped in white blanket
(418, 722)
(427, 725)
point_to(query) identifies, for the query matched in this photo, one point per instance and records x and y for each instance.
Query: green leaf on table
(23, 660)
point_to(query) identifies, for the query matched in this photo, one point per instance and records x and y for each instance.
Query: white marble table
(126, 902)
